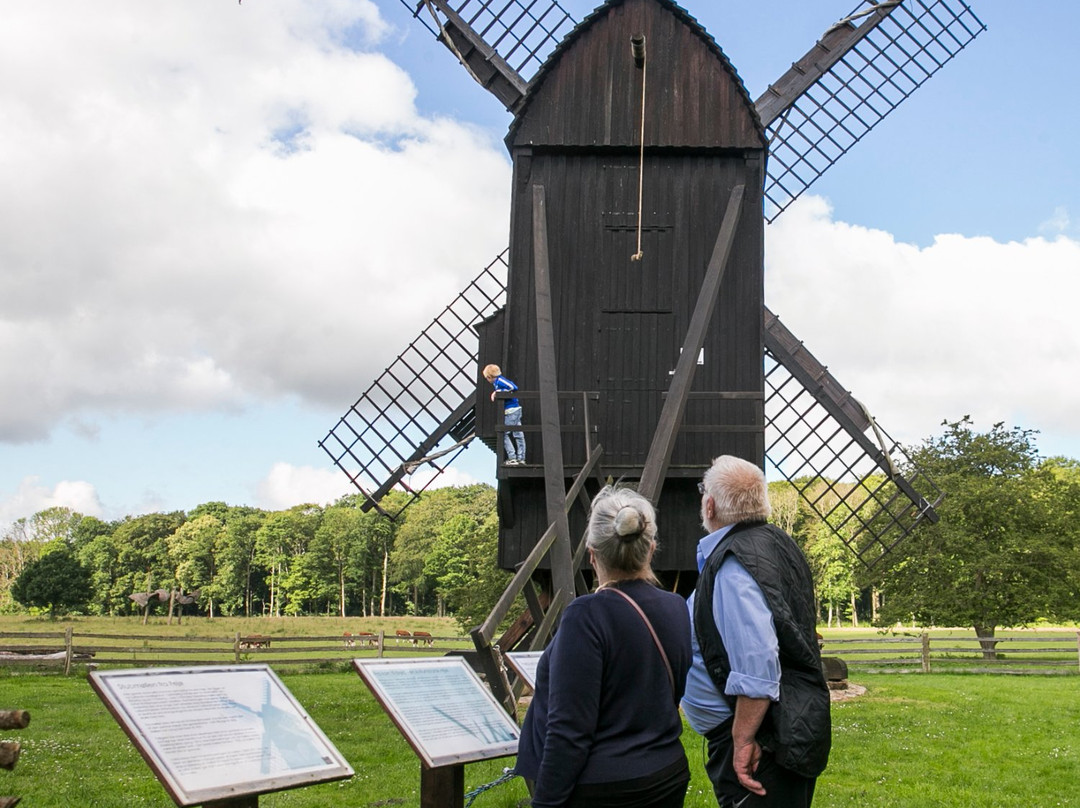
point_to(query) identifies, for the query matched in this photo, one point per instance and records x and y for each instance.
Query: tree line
(243, 561)
(1005, 552)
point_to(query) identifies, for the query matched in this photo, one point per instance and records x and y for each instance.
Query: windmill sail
(421, 409)
(861, 70)
(841, 462)
(850, 81)
(502, 44)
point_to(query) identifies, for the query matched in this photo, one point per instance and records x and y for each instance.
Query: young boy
(515, 456)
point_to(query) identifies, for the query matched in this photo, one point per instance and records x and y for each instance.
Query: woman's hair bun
(628, 522)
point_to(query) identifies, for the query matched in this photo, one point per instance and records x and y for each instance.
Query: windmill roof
(576, 33)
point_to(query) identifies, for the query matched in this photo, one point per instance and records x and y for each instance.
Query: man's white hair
(739, 491)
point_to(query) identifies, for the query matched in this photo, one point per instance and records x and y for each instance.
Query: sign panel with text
(524, 664)
(220, 732)
(442, 708)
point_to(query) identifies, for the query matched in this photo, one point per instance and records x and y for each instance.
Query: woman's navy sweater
(603, 709)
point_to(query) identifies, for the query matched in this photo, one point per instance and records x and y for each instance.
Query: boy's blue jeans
(513, 418)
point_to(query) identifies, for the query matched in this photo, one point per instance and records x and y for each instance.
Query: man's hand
(746, 753)
(745, 762)
(493, 395)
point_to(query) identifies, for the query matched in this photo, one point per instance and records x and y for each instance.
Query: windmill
(629, 306)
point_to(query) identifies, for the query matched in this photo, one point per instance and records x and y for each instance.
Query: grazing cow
(254, 641)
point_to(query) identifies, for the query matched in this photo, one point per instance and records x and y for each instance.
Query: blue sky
(219, 222)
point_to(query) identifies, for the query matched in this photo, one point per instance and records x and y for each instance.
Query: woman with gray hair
(603, 727)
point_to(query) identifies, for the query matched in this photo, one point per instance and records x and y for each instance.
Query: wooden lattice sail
(651, 359)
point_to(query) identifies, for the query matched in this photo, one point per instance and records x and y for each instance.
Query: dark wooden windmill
(630, 304)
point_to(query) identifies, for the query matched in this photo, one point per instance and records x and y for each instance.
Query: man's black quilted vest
(797, 728)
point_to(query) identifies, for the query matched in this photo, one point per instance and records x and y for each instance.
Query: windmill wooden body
(619, 318)
(629, 307)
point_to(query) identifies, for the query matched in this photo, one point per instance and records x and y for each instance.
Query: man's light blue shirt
(745, 622)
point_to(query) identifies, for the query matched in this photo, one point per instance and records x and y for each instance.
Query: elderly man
(755, 690)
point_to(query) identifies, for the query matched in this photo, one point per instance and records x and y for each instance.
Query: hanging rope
(412, 466)
(507, 776)
(880, 437)
(637, 47)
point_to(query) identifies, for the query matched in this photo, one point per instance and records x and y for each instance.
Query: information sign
(524, 664)
(442, 708)
(221, 732)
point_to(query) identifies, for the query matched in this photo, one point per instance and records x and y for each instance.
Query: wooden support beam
(442, 787)
(481, 60)
(667, 429)
(562, 572)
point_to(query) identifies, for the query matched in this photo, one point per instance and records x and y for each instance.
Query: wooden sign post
(446, 714)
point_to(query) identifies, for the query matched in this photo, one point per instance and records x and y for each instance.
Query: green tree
(239, 576)
(283, 537)
(339, 544)
(1004, 551)
(56, 581)
(194, 548)
(100, 555)
(416, 537)
(833, 568)
(464, 565)
(143, 563)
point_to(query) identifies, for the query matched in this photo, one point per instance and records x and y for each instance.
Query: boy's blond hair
(491, 371)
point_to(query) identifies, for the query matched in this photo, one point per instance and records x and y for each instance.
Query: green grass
(946, 741)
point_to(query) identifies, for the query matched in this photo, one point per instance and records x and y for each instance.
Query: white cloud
(1059, 222)
(32, 496)
(287, 485)
(451, 477)
(963, 326)
(207, 203)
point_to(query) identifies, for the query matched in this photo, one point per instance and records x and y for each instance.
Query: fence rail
(1035, 652)
(66, 649)
(1031, 652)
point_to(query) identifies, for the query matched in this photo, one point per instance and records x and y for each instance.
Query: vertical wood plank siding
(619, 323)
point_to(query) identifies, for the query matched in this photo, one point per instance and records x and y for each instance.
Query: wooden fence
(1014, 653)
(66, 649)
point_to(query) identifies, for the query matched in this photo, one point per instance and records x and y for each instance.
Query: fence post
(382, 642)
(925, 652)
(68, 651)
(1078, 647)
(236, 647)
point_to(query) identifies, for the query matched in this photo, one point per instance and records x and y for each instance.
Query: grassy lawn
(912, 740)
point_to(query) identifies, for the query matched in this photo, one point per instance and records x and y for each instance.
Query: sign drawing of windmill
(629, 306)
